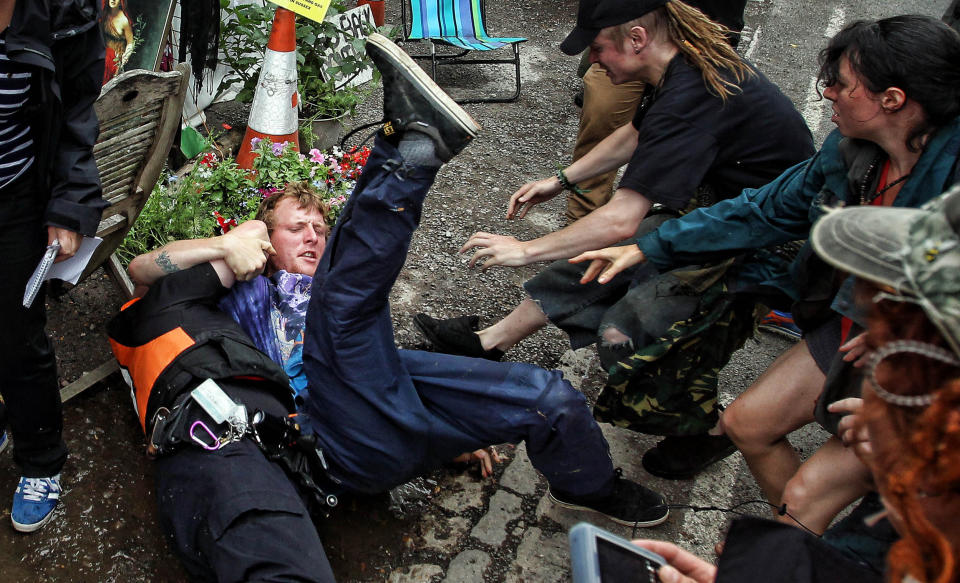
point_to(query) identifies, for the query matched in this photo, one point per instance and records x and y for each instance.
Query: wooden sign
(354, 23)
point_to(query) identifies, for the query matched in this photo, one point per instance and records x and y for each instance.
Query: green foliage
(244, 32)
(217, 195)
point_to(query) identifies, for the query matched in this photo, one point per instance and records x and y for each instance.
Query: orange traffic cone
(273, 113)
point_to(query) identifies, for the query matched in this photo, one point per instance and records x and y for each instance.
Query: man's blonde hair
(305, 196)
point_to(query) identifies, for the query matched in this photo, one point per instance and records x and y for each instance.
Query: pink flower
(301, 157)
(317, 156)
(254, 143)
(277, 148)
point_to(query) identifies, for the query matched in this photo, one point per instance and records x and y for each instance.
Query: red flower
(225, 225)
(209, 160)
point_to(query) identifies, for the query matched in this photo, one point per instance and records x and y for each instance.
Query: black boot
(455, 336)
(413, 102)
(681, 457)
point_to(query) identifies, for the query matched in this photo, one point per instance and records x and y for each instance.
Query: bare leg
(523, 321)
(825, 484)
(779, 402)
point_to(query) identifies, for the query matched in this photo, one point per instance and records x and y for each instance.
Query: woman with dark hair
(906, 428)
(895, 88)
(117, 35)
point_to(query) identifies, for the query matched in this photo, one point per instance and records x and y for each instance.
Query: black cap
(595, 15)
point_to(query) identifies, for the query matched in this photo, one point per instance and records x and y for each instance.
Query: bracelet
(567, 185)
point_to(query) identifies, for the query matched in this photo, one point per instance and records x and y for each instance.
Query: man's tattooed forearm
(165, 264)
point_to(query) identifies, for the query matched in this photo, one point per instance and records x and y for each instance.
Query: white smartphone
(599, 556)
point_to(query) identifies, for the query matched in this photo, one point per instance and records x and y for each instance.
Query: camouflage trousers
(683, 327)
(669, 387)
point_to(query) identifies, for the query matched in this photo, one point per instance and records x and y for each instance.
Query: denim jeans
(28, 370)
(383, 415)
(583, 311)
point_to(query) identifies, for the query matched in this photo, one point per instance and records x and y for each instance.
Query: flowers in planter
(216, 195)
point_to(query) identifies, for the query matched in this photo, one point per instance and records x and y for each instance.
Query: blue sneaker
(4, 441)
(34, 501)
(780, 323)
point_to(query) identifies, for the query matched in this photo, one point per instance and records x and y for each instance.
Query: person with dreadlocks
(709, 125)
(894, 87)
(906, 427)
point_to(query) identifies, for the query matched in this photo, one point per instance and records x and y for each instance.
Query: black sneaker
(413, 102)
(684, 456)
(629, 504)
(455, 336)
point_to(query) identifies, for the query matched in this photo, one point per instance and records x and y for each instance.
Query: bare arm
(609, 224)
(128, 36)
(611, 153)
(243, 251)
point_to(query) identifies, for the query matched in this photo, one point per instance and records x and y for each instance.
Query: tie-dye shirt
(272, 311)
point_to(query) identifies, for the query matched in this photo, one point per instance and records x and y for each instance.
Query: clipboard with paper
(68, 270)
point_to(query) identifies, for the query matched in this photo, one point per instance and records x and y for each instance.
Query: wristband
(567, 185)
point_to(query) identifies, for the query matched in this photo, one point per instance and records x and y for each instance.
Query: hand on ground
(486, 457)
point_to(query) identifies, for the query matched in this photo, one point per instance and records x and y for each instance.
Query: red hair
(920, 462)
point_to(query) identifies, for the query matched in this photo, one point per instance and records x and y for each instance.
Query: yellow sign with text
(313, 9)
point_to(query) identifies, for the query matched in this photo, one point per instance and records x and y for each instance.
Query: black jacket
(61, 40)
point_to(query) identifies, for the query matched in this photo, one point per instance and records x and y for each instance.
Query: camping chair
(139, 113)
(457, 23)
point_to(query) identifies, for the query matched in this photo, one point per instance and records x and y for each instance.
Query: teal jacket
(784, 210)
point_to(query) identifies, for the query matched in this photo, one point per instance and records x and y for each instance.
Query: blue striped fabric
(456, 22)
(16, 142)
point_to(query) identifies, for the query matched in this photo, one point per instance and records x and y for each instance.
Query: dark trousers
(28, 371)
(384, 416)
(233, 515)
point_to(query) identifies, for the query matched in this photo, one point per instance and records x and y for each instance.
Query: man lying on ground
(379, 415)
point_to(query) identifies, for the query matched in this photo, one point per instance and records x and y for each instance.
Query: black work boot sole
(412, 101)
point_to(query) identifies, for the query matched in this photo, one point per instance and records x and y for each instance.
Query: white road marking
(752, 44)
(815, 106)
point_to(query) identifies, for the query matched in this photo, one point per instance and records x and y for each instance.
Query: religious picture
(134, 32)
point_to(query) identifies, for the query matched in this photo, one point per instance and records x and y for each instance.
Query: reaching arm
(609, 224)
(243, 251)
(611, 153)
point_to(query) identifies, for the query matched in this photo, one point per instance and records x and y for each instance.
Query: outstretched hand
(495, 250)
(682, 566)
(608, 262)
(530, 194)
(246, 249)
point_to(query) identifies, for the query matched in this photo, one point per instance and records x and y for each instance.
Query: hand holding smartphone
(599, 556)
